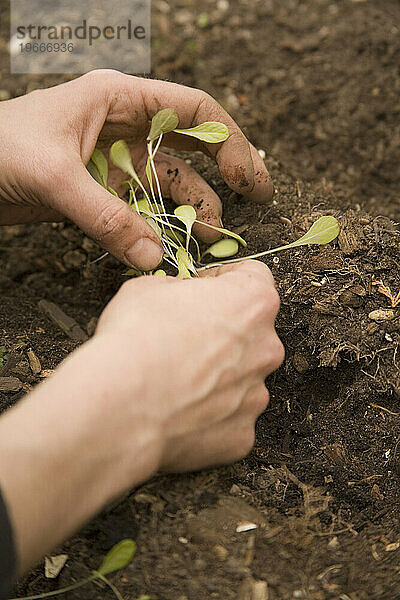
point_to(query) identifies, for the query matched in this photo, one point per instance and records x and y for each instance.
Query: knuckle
(274, 300)
(208, 106)
(113, 220)
(245, 442)
(277, 355)
(265, 298)
(102, 76)
(261, 401)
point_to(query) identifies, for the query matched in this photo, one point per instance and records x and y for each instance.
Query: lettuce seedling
(117, 558)
(178, 242)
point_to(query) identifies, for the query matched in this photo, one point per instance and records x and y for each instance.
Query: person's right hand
(202, 350)
(172, 380)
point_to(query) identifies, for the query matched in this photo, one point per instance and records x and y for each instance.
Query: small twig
(390, 412)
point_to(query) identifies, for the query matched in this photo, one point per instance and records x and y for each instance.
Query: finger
(219, 444)
(12, 215)
(183, 185)
(251, 267)
(132, 102)
(107, 219)
(235, 157)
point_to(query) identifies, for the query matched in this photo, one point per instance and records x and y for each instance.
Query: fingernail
(144, 254)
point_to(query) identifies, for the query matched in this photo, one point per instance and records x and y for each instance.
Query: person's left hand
(48, 136)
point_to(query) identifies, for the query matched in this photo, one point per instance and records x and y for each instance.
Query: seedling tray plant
(181, 249)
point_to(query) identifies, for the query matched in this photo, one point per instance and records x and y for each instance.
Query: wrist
(71, 447)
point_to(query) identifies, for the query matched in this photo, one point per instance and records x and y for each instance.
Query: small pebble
(333, 543)
(245, 526)
(392, 547)
(221, 552)
(74, 259)
(34, 362)
(10, 384)
(382, 314)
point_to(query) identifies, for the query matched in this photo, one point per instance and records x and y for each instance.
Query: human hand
(49, 135)
(173, 380)
(201, 364)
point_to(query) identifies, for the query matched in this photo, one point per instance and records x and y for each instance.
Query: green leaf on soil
(223, 249)
(323, 231)
(210, 132)
(118, 557)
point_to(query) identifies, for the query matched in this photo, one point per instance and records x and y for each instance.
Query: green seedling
(98, 168)
(178, 242)
(187, 215)
(323, 231)
(117, 558)
(223, 249)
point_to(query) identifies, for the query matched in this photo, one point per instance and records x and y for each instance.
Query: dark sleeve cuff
(7, 553)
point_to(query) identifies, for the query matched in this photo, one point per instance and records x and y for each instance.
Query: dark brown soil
(317, 84)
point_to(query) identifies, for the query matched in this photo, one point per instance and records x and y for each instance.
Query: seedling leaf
(143, 206)
(101, 164)
(154, 225)
(225, 232)
(185, 264)
(223, 249)
(164, 121)
(120, 156)
(118, 557)
(210, 132)
(324, 230)
(91, 167)
(133, 273)
(187, 215)
(160, 273)
(175, 235)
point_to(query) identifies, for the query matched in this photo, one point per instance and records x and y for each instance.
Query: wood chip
(46, 373)
(54, 564)
(392, 547)
(63, 321)
(382, 314)
(245, 526)
(10, 384)
(34, 362)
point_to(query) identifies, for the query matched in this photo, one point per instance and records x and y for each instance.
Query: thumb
(109, 220)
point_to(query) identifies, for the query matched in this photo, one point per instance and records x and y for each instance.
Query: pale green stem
(134, 197)
(69, 588)
(154, 170)
(171, 226)
(110, 585)
(258, 255)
